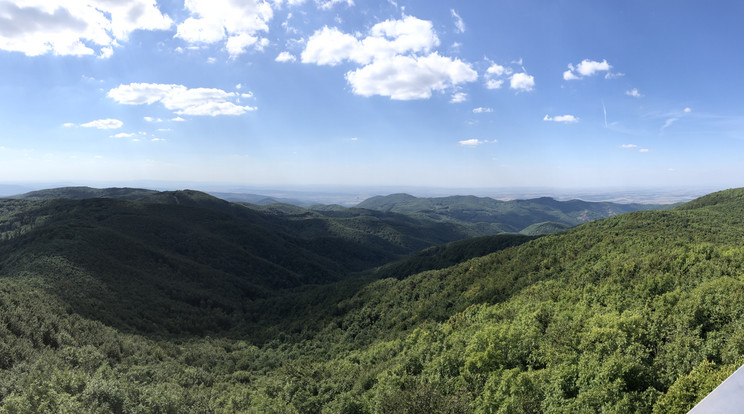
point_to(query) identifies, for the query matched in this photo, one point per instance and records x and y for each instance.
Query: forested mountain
(186, 303)
(496, 216)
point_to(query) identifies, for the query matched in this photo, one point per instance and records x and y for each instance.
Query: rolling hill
(111, 305)
(496, 216)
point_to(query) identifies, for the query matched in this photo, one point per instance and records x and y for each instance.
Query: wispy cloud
(668, 123)
(123, 135)
(634, 93)
(459, 23)
(629, 146)
(458, 97)
(561, 118)
(481, 110)
(108, 123)
(474, 142)
(180, 99)
(604, 111)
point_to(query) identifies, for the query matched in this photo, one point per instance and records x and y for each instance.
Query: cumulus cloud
(459, 97)
(237, 23)
(459, 23)
(587, 68)
(123, 135)
(108, 123)
(687, 110)
(634, 93)
(561, 118)
(409, 77)
(481, 110)
(180, 99)
(285, 57)
(396, 58)
(75, 27)
(497, 74)
(522, 82)
(498, 70)
(474, 142)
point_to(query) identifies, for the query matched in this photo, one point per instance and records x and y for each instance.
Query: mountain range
(128, 300)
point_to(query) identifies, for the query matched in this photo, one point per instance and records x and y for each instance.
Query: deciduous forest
(178, 302)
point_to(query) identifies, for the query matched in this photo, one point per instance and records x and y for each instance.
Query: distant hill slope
(79, 193)
(190, 252)
(506, 216)
(125, 306)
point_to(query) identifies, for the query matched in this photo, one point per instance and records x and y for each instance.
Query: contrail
(605, 113)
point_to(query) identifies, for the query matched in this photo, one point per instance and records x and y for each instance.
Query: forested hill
(510, 216)
(101, 312)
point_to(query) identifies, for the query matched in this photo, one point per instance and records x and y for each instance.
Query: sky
(457, 94)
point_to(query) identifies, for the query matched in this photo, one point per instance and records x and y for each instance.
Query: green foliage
(488, 216)
(105, 306)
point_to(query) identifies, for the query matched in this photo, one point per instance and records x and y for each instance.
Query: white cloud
(498, 70)
(151, 119)
(494, 83)
(459, 23)
(634, 93)
(561, 118)
(687, 110)
(668, 123)
(522, 82)
(328, 4)
(68, 125)
(569, 75)
(180, 99)
(178, 119)
(459, 97)
(409, 77)
(497, 74)
(330, 46)
(643, 150)
(588, 68)
(123, 135)
(285, 57)
(235, 22)
(629, 146)
(482, 110)
(472, 142)
(75, 27)
(396, 59)
(108, 123)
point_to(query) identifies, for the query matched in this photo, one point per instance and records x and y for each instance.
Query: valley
(131, 300)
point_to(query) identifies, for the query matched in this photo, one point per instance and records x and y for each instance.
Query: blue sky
(457, 94)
